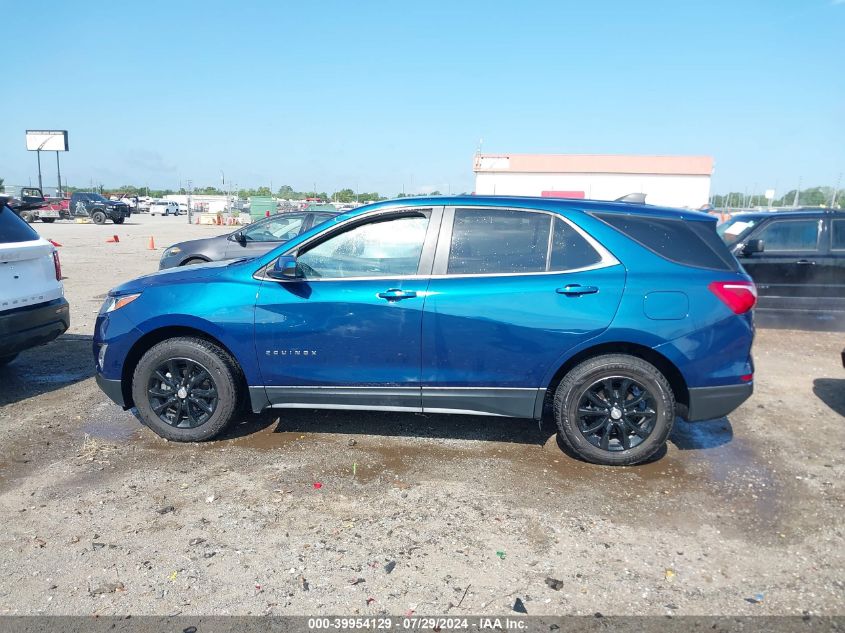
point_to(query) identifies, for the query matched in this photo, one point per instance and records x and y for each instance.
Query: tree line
(810, 197)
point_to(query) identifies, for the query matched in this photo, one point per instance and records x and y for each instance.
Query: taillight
(58, 265)
(739, 296)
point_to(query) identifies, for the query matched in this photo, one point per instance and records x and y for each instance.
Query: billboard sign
(46, 140)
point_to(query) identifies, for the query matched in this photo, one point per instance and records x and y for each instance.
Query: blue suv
(619, 315)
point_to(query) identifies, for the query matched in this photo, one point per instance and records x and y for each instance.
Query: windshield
(730, 230)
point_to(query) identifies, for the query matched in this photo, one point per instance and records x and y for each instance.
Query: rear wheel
(98, 217)
(614, 410)
(186, 389)
(118, 220)
(27, 217)
(5, 360)
(48, 220)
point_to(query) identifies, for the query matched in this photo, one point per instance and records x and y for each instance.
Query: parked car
(796, 258)
(251, 241)
(33, 309)
(98, 208)
(622, 315)
(164, 207)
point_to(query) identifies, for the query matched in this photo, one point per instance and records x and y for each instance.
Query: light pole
(190, 207)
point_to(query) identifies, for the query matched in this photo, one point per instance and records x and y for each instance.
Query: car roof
(544, 204)
(792, 213)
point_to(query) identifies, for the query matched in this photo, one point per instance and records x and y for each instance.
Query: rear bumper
(708, 403)
(31, 326)
(112, 388)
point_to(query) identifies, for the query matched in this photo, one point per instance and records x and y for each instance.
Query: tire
(27, 217)
(600, 381)
(5, 360)
(224, 379)
(118, 220)
(193, 261)
(48, 220)
(98, 217)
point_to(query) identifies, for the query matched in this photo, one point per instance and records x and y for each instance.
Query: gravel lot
(422, 513)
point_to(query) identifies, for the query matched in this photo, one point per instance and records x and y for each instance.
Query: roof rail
(632, 198)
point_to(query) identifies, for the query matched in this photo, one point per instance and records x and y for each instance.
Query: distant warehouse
(675, 181)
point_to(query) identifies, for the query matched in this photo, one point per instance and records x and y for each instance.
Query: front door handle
(806, 262)
(395, 294)
(573, 290)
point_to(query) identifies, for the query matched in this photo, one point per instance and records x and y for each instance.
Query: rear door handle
(395, 294)
(573, 290)
(806, 262)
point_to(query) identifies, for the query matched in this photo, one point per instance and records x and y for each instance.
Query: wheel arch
(155, 337)
(648, 354)
(191, 258)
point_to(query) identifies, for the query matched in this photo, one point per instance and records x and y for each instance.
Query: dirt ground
(415, 513)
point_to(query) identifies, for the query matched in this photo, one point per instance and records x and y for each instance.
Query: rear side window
(13, 229)
(570, 250)
(688, 242)
(838, 235)
(790, 235)
(492, 241)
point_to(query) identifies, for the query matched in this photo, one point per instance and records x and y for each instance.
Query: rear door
(787, 272)
(512, 291)
(27, 269)
(831, 271)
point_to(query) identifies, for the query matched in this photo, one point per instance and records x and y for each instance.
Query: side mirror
(237, 236)
(753, 246)
(284, 269)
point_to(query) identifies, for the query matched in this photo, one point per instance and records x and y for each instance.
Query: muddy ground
(422, 513)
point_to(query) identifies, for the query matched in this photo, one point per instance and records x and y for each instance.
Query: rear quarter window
(689, 242)
(13, 229)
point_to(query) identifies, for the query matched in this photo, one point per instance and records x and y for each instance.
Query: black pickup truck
(98, 208)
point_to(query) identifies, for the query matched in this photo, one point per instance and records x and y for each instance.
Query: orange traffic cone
(152, 244)
(114, 239)
(54, 243)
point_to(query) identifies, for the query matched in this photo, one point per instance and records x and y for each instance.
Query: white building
(675, 181)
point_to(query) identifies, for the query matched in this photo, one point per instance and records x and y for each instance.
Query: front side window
(492, 241)
(275, 230)
(387, 248)
(790, 235)
(838, 235)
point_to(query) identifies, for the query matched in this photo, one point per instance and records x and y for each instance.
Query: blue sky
(385, 95)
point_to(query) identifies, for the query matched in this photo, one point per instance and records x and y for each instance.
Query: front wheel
(186, 389)
(98, 217)
(118, 220)
(48, 220)
(615, 410)
(27, 217)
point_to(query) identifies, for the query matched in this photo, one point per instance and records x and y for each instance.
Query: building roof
(593, 164)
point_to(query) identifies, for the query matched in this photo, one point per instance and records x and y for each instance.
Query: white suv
(164, 207)
(33, 309)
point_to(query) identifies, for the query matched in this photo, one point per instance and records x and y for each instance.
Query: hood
(170, 276)
(192, 246)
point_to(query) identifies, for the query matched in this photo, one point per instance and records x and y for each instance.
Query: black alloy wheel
(616, 413)
(182, 393)
(614, 409)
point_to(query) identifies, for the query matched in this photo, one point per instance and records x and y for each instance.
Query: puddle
(112, 431)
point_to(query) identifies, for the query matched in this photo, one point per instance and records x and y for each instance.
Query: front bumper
(112, 388)
(709, 403)
(31, 326)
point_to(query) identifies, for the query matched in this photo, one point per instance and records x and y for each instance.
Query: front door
(265, 235)
(347, 334)
(511, 292)
(786, 272)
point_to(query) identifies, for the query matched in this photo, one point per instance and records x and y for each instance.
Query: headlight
(115, 303)
(173, 250)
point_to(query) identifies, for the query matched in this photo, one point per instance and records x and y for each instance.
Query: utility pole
(797, 194)
(835, 191)
(190, 209)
